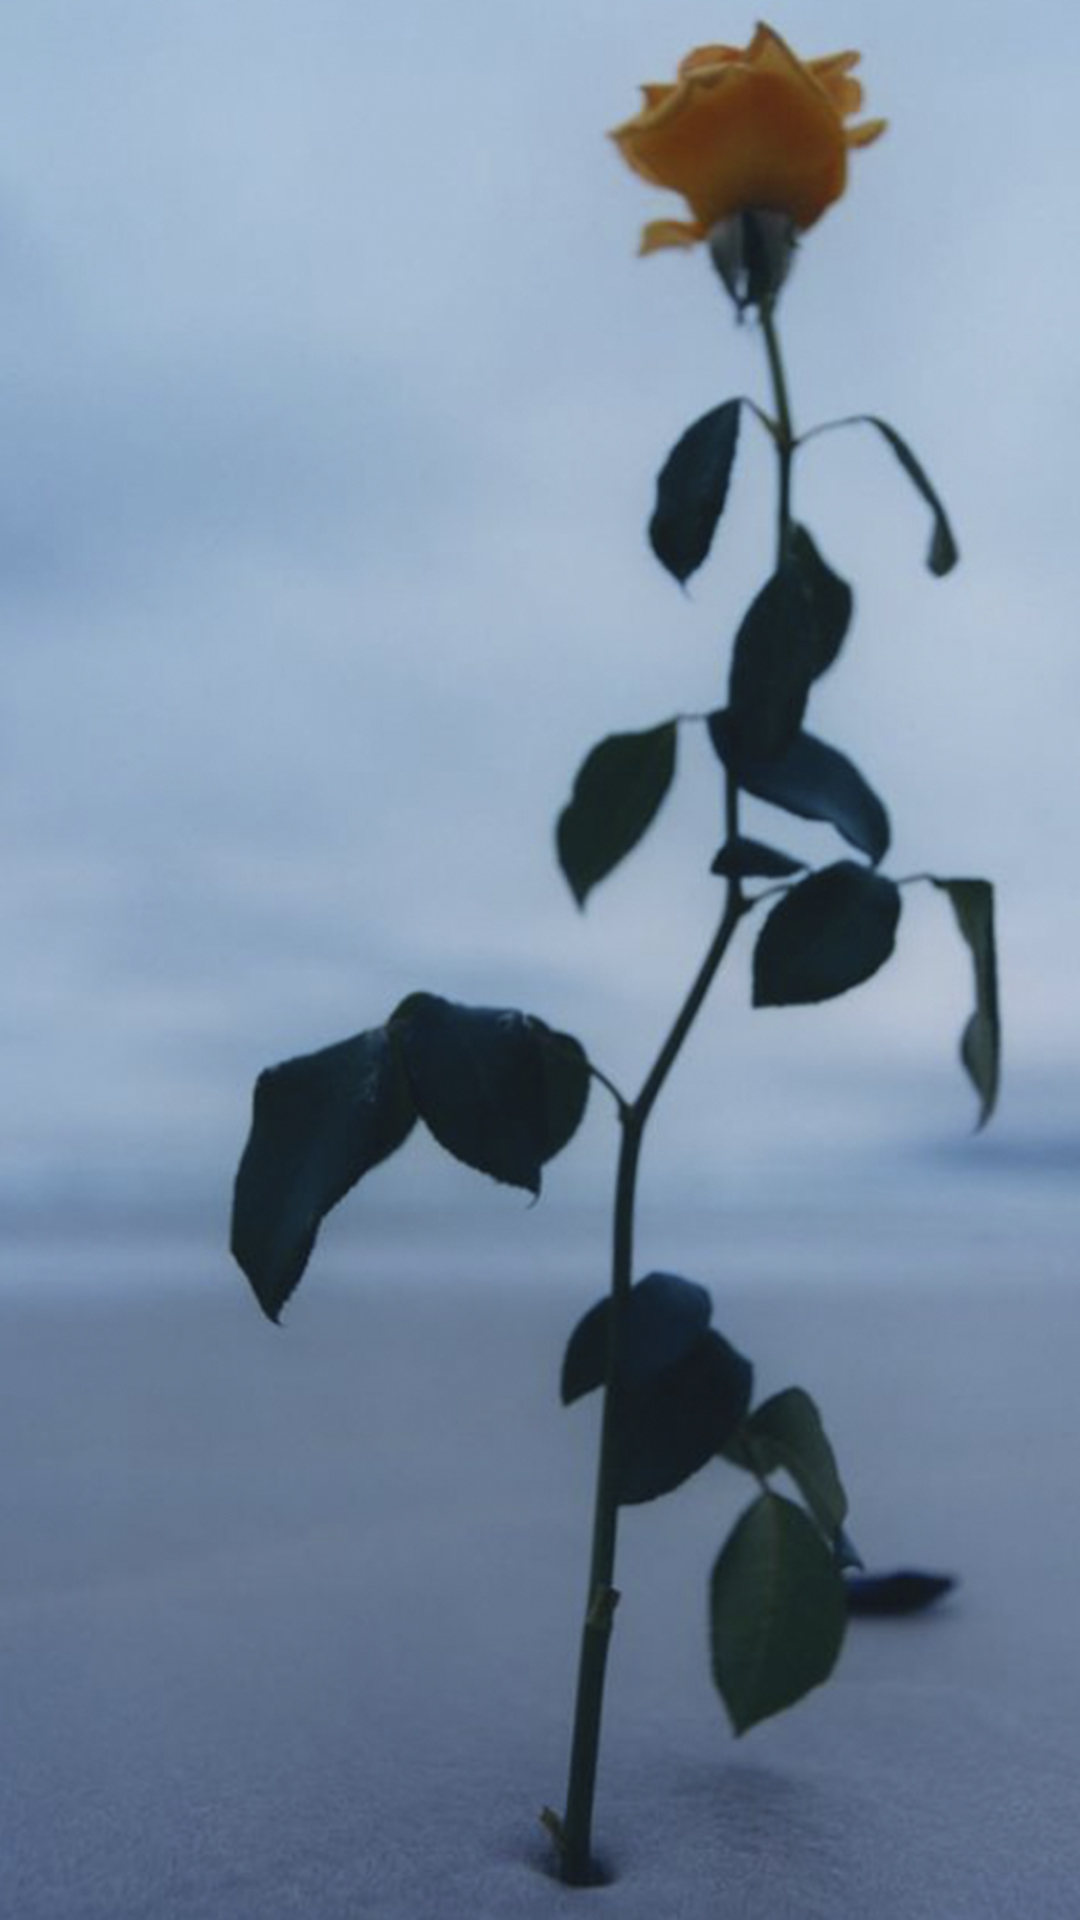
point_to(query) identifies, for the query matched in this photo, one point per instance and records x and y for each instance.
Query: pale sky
(332, 399)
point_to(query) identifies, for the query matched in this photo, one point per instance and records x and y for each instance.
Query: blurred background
(331, 398)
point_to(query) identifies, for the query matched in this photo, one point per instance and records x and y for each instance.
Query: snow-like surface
(288, 1619)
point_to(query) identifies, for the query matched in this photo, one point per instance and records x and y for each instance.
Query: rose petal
(829, 63)
(710, 57)
(670, 233)
(863, 135)
(768, 53)
(846, 94)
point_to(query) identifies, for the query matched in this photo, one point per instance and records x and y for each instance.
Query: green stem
(735, 907)
(576, 1863)
(575, 1830)
(576, 1834)
(785, 433)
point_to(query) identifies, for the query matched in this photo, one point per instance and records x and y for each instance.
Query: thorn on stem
(602, 1609)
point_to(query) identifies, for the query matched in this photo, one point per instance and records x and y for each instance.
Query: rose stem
(785, 433)
(575, 1838)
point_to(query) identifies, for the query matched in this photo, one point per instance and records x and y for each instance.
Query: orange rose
(739, 130)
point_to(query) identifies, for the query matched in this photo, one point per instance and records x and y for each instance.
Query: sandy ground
(288, 1619)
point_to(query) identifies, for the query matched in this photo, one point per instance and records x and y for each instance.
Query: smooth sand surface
(288, 1618)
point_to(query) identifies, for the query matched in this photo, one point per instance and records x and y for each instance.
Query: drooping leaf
(673, 1423)
(980, 1044)
(777, 1612)
(885, 1594)
(664, 1317)
(943, 552)
(565, 1077)
(319, 1123)
(617, 795)
(498, 1089)
(829, 598)
(790, 635)
(691, 490)
(772, 665)
(786, 1432)
(739, 1451)
(811, 780)
(831, 932)
(745, 859)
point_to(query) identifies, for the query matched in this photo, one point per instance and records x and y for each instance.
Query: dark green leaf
(790, 635)
(980, 1044)
(498, 1089)
(829, 599)
(673, 1424)
(691, 490)
(744, 859)
(786, 1432)
(617, 795)
(828, 934)
(319, 1123)
(772, 665)
(777, 1612)
(885, 1594)
(809, 779)
(740, 1452)
(565, 1077)
(944, 552)
(663, 1319)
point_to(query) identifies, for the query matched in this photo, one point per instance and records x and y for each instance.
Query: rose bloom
(746, 129)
